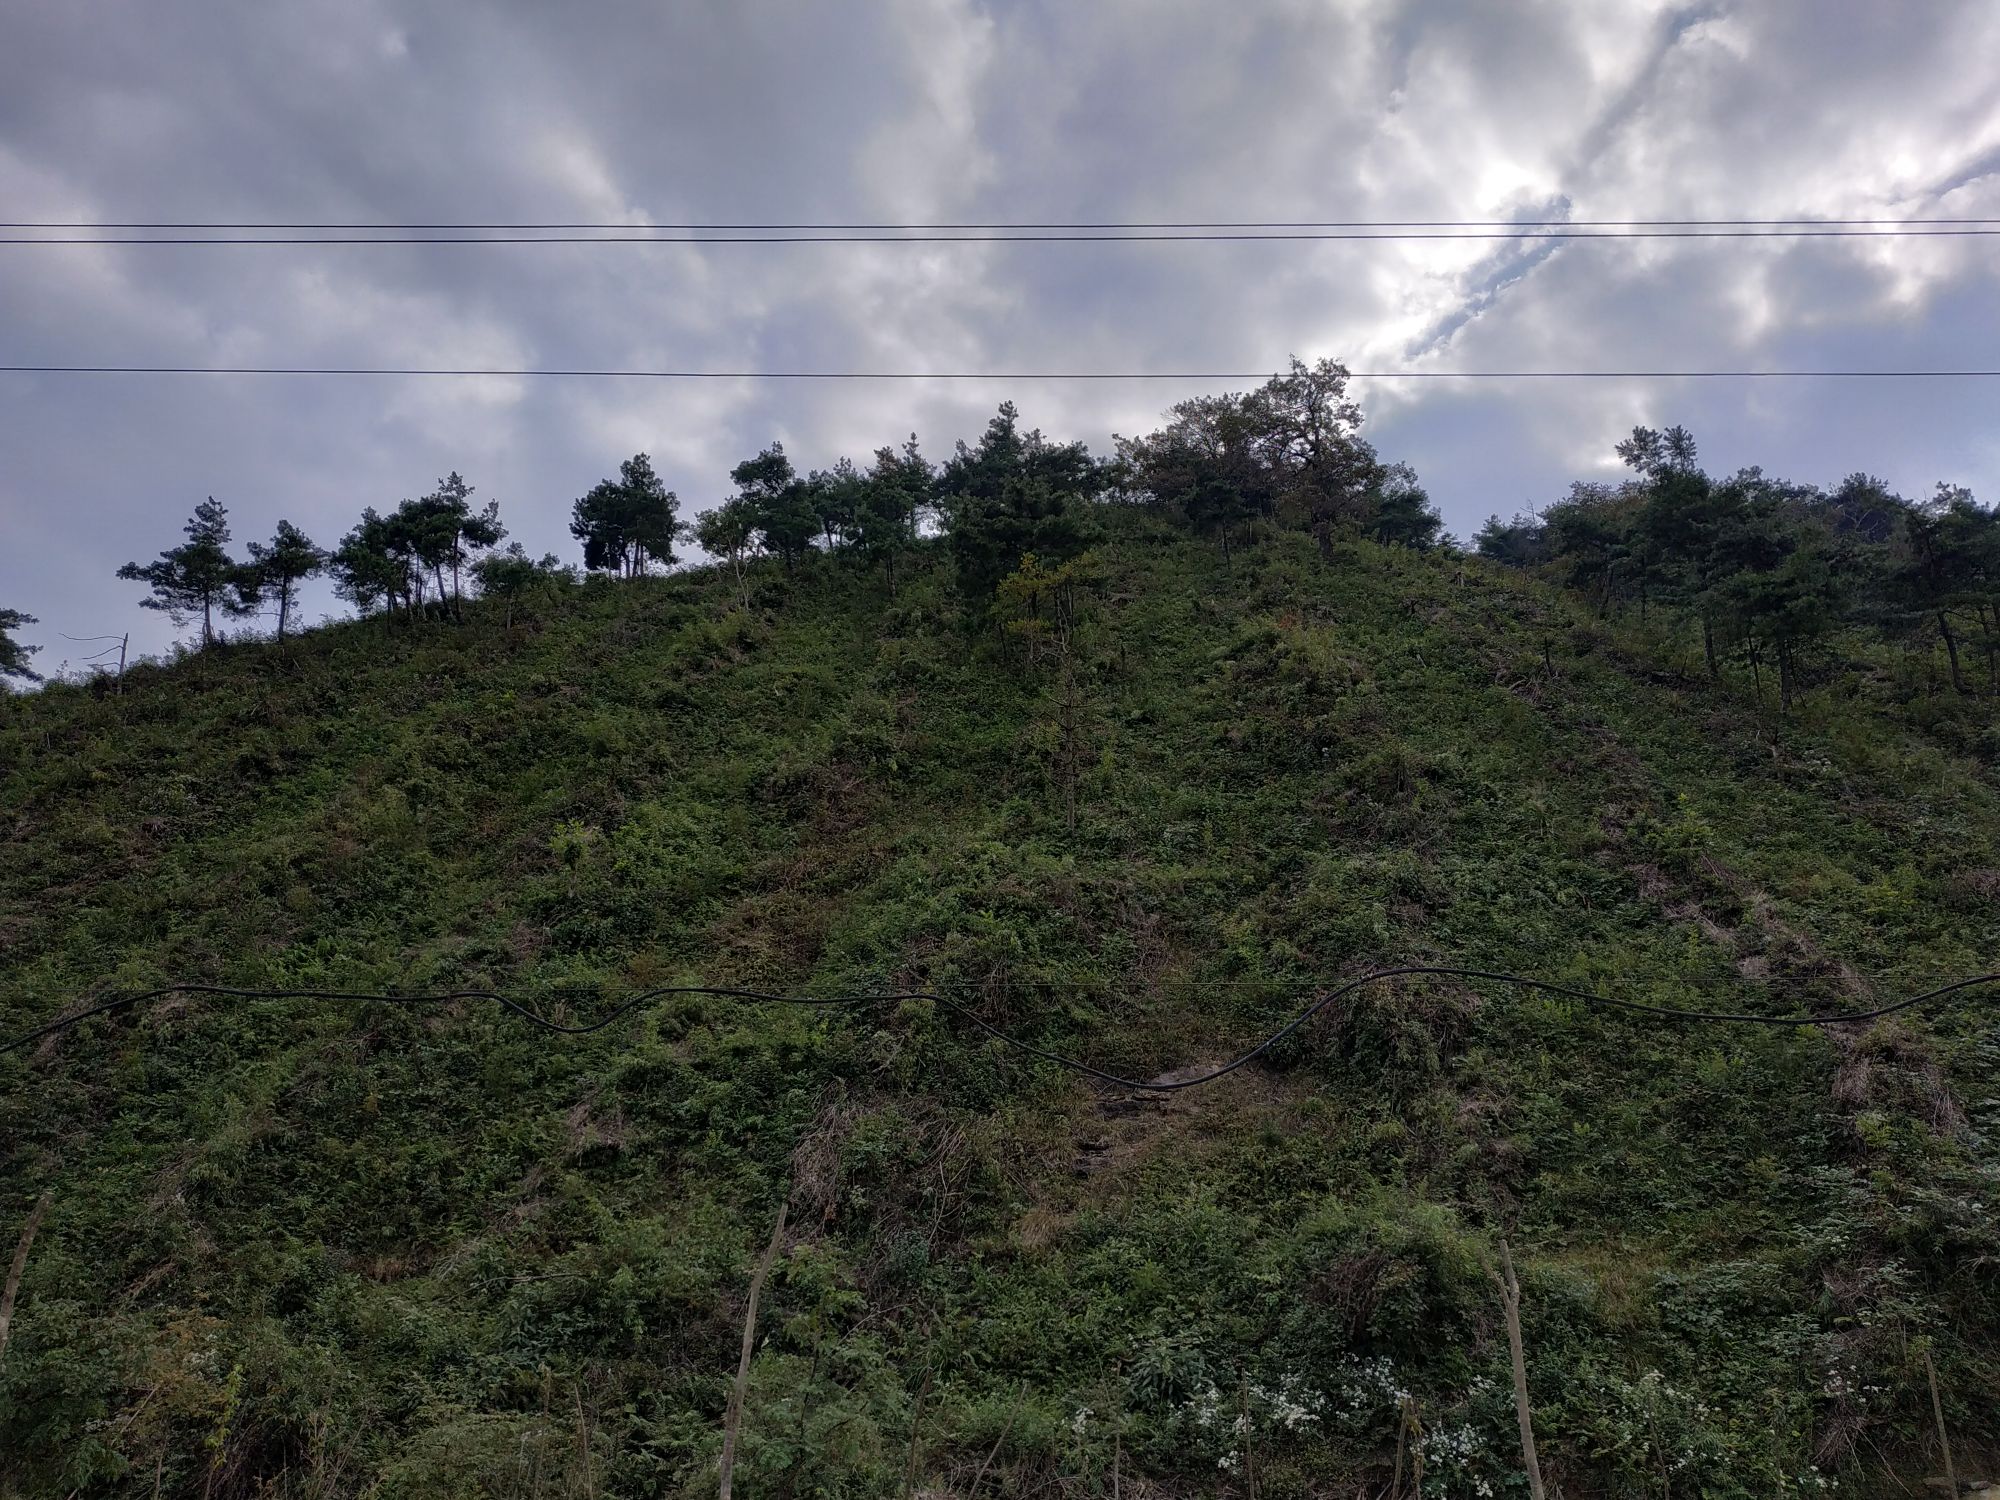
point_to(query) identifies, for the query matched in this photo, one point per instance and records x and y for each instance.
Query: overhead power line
(991, 375)
(1323, 1002)
(625, 235)
(1780, 222)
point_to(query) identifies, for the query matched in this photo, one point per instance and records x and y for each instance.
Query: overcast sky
(947, 110)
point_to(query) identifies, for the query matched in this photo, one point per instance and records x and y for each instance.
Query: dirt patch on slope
(1111, 1137)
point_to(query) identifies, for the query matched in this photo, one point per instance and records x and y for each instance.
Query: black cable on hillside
(992, 375)
(648, 997)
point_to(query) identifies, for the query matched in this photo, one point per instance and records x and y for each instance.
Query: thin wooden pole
(993, 1452)
(1115, 1403)
(1937, 1411)
(733, 1421)
(916, 1432)
(1416, 1450)
(14, 1272)
(1402, 1440)
(1510, 1298)
(1249, 1455)
(583, 1432)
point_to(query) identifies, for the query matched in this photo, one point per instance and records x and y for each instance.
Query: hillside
(315, 1250)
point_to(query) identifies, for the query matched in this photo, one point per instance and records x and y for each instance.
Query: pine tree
(1953, 566)
(625, 522)
(1683, 518)
(444, 532)
(282, 563)
(14, 655)
(729, 530)
(199, 577)
(835, 497)
(1520, 543)
(1205, 464)
(1779, 582)
(517, 580)
(1308, 436)
(376, 564)
(779, 500)
(1404, 515)
(1015, 493)
(893, 497)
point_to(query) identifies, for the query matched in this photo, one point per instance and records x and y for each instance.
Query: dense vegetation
(1130, 757)
(1769, 569)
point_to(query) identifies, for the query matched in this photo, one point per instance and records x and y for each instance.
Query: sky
(919, 111)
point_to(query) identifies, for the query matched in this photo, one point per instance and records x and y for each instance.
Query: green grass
(297, 1249)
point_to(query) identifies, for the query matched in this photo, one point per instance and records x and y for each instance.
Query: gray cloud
(405, 110)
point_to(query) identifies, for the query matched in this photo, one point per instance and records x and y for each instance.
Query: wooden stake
(1402, 1439)
(993, 1452)
(733, 1420)
(583, 1432)
(1416, 1450)
(1249, 1458)
(916, 1431)
(1937, 1411)
(14, 1272)
(1115, 1404)
(1510, 1301)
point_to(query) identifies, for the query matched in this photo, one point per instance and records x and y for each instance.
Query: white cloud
(954, 110)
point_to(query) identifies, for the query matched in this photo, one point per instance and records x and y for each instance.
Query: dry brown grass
(1891, 1067)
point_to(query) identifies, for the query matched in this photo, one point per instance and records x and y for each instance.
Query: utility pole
(124, 642)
